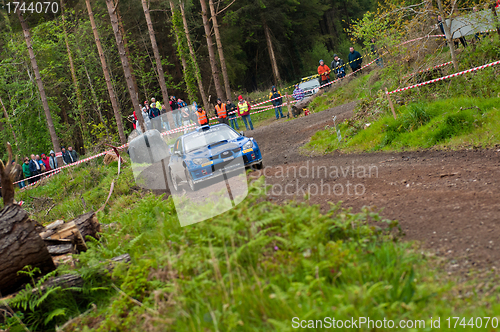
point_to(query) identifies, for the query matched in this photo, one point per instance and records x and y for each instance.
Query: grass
(452, 123)
(253, 268)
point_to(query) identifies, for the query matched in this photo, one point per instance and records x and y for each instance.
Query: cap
(240, 97)
(335, 55)
(320, 61)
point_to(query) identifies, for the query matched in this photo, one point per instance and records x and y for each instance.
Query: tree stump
(20, 245)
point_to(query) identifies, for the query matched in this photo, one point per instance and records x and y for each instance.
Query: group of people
(338, 67)
(227, 112)
(34, 168)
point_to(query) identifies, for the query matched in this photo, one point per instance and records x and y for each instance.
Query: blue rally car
(208, 151)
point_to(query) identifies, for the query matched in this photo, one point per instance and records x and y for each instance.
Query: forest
(254, 45)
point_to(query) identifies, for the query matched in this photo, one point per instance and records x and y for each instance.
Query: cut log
(88, 225)
(69, 231)
(20, 245)
(61, 247)
(297, 108)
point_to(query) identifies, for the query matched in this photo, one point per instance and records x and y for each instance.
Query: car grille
(225, 154)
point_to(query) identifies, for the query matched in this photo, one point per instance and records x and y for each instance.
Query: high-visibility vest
(202, 117)
(243, 108)
(221, 110)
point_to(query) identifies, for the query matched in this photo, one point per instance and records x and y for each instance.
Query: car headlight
(248, 145)
(199, 161)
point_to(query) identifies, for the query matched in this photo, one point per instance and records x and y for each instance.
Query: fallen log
(20, 245)
(300, 105)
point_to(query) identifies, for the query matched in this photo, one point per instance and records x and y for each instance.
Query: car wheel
(193, 186)
(173, 180)
(259, 166)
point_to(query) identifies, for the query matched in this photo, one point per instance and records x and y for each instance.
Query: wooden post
(288, 105)
(390, 103)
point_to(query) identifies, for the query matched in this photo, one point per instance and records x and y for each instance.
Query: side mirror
(241, 133)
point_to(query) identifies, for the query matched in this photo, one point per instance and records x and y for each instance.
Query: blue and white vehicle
(209, 152)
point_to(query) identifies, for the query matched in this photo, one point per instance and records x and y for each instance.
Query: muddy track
(448, 200)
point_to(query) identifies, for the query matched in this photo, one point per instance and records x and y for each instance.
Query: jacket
(46, 162)
(33, 166)
(221, 111)
(275, 94)
(244, 110)
(231, 110)
(26, 170)
(66, 158)
(324, 72)
(153, 112)
(74, 155)
(355, 59)
(338, 66)
(298, 94)
(53, 161)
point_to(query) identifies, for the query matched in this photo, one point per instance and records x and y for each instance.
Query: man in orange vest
(221, 112)
(324, 73)
(202, 117)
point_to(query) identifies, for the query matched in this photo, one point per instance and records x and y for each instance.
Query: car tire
(193, 186)
(173, 180)
(259, 166)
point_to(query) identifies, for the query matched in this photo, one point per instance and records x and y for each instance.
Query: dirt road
(448, 200)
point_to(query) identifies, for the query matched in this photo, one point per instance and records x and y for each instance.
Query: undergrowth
(253, 268)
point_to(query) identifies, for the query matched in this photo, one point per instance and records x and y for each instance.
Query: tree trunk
(107, 77)
(219, 48)
(125, 63)
(7, 119)
(211, 53)
(20, 245)
(272, 57)
(50, 124)
(125, 44)
(181, 51)
(193, 59)
(447, 30)
(161, 75)
(79, 100)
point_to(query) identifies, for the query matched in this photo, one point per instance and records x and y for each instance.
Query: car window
(203, 138)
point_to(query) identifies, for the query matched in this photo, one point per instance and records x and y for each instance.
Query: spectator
(231, 114)
(135, 119)
(165, 125)
(74, 156)
(53, 160)
(355, 60)
(202, 117)
(153, 111)
(185, 117)
(40, 162)
(46, 162)
(374, 49)
(176, 112)
(220, 110)
(244, 112)
(324, 73)
(26, 169)
(192, 112)
(298, 93)
(278, 100)
(338, 66)
(35, 169)
(145, 116)
(181, 103)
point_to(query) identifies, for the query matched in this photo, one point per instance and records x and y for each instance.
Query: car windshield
(311, 84)
(211, 136)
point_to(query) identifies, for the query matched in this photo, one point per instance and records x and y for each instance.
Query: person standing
(298, 93)
(26, 169)
(202, 117)
(231, 114)
(176, 112)
(278, 100)
(220, 110)
(153, 114)
(355, 60)
(244, 111)
(324, 73)
(46, 162)
(185, 118)
(338, 66)
(374, 49)
(35, 169)
(74, 156)
(53, 160)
